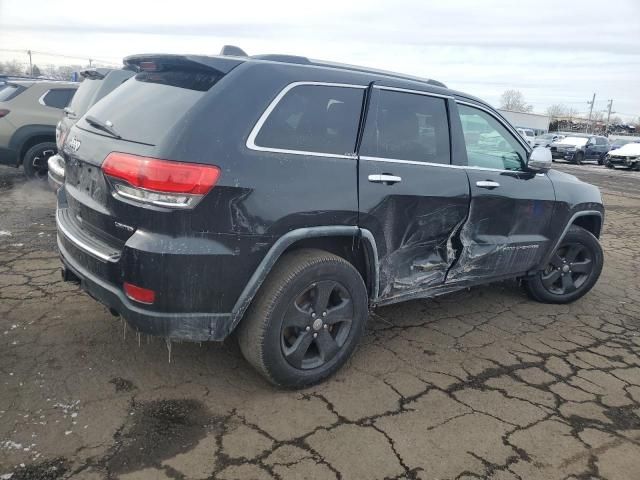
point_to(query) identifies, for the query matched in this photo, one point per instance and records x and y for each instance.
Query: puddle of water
(158, 430)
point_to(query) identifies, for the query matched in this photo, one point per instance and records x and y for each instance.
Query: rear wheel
(36, 158)
(601, 160)
(573, 269)
(306, 320)
(609, 165)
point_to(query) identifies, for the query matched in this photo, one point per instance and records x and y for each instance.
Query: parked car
(547, 139)
(528, 135)
(577, 149)
(620, 142)
(280, 198)
(97, 83)
(29, 111)
(626, 156)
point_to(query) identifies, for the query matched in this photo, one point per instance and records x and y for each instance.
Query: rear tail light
(159, 182)
(4, 112)
(139, 294)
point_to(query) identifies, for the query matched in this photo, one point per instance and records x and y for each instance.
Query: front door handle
(385, 178)
(487, 184)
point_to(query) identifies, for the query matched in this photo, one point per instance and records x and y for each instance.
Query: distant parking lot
(479, 384)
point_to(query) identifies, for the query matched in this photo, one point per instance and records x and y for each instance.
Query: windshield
(576, 141)
(629, 149)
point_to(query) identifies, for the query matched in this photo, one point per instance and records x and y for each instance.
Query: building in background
(536, 122)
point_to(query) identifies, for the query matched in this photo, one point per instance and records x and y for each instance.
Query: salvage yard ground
(478, 384)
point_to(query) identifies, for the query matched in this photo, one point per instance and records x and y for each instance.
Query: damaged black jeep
(280, 198)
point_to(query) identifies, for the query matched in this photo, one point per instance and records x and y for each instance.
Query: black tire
(36, 158)
(610, 165)
(284, 338)
(601, 160)
(578, 158)
(574, 269)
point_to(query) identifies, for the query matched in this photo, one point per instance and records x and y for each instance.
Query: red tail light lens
(4, 112)
(160, 182)
(139, 294)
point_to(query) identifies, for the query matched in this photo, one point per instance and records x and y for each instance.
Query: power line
(60, 55)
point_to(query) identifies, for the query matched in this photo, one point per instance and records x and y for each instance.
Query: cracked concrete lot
(478, 384)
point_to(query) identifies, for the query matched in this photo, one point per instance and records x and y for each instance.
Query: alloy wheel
(40, 160)
(568, 269)
(316, 325)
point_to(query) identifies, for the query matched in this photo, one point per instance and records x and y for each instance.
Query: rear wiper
(104, 126)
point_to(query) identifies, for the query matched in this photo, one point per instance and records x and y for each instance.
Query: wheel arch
(343, 241)
(590, 220)
(27, 136)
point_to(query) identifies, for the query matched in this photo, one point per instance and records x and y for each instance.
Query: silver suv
(29, 111)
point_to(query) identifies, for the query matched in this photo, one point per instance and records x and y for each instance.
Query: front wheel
(578, 158)
(306, 320)
(35, 161)
(601, 160)
(573, 269)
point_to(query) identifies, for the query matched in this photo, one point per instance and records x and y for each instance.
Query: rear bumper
(56, 172)
(195, 327)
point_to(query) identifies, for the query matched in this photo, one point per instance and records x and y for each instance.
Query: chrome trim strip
(508, 126)
(430, 164)
(84, 247)
(408, 90)
(251, 140)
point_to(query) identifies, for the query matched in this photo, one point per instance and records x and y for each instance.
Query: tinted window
(83, 98)
(601, 141)
(489, 143)
(314, 118)
(58, 97)
(407, 126)
(155, 102)
(9, 91)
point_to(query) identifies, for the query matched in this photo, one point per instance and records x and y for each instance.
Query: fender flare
(581, 213)
(26, 132)
(288, 239)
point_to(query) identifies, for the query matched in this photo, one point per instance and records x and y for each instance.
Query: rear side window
(407, 126)
(314, 118)
(9, 91)
(601, 141)
(58, 97)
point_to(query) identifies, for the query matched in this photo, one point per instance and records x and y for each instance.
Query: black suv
(577, 148)
(281, 198)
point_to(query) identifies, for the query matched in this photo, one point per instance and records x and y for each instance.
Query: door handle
(384, 178)
(487, 184)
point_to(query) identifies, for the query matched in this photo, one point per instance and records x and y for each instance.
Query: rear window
(314, 118)
(83, 98)
(407, 126)
(58, 97)
(145, 108)
(9, 91)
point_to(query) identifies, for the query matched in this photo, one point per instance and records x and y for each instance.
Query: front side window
(489, 143)
(314, 118)
(58, 97)
(601, 141)
(407, 126)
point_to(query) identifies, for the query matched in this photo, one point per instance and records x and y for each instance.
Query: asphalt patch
(122, 384)
(158, 430)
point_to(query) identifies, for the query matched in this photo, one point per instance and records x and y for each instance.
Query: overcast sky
(559, 51)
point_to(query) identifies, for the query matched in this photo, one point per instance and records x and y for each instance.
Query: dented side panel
(508, 230)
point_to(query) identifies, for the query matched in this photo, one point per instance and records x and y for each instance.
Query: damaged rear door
(507, 231)
(410, 197)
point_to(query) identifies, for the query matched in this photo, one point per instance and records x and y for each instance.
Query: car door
(602, 145)
(507, 230)
(410, 197)
(591, 149)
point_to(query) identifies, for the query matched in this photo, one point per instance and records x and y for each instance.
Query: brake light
(159, 182)
(4, 112)
(139, 294)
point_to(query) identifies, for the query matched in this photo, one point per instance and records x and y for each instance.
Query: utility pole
(90, 60)
(593, 100)
(606, 129)
(30, 64)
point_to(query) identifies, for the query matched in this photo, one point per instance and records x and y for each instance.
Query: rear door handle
(487, 184)
(385, 178)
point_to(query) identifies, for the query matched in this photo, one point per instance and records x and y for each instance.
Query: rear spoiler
(159, 62)
(92, 74)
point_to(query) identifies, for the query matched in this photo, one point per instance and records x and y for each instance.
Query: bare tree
(513, 100)
(11, 67)
(557, 110)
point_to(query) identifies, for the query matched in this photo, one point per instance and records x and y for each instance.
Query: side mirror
(539, 160)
